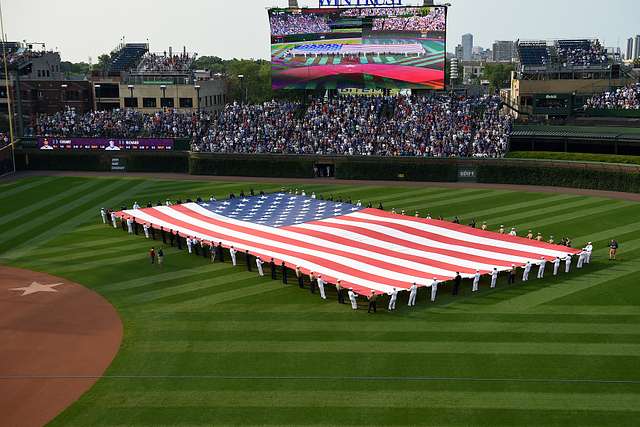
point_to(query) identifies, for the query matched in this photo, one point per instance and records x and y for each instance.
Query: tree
(103, 63)
(498, 75)
(70, 69)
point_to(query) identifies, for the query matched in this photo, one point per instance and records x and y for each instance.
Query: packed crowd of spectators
(119, 123)
(430, 126)
(435, 21)
(380, 12)
(389, 126)
(21, 55)
(162, 62)
(581, 53)
(289, 24)
(626, 98)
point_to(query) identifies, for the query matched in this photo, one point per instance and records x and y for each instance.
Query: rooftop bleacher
(127, 57)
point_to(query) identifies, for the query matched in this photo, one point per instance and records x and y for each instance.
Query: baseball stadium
(352, 232)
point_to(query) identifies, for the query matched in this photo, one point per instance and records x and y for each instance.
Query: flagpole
(6, 79)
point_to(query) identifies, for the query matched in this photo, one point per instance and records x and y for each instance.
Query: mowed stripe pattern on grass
(195, 318)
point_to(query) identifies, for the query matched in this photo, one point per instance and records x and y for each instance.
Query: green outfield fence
(588, 175)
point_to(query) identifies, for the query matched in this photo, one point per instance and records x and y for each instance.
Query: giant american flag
(367, 249)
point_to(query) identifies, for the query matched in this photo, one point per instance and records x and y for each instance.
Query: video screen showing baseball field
(364, 48)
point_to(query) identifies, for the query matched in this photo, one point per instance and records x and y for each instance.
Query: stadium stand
(152, 62)
(626, 98)
(581, 52)
(286, 24)
(425, 126)
(127, 57)
(533, 53)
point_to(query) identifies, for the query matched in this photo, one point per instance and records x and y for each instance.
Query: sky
(83, 29)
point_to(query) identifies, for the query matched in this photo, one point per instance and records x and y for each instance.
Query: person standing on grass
(103, 214)
(212, 253)
(160, 257)
(339, 290)
(272, 267)
(321, 284)
(502, 230)
(247, 257)
(233, 253)
(189, 245)
(352, 298)
(434, 290)
(556, 266)
(312, 282)
(221, 252)
(589, 249)
(284, 273)
(129, 226)
(259, 263)
(373, 302)
(114, 220)
(512, 274)
(152, 255)
(527, 270)
(581, 257)
(145, 227)
(413, 293)
(476, 281)
(393, 297)
(300, 277)
(541, 268)
(613, 250)
(567, 263)
(494, 278)
(456, 284)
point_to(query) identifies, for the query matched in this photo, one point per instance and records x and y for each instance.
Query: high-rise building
(636, 48)
(467, 47)
(503, 51)
(629, 55)
(459, 52)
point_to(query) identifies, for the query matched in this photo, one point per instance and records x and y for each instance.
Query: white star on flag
(36, 287)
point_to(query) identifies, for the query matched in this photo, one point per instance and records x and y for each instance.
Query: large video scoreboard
(364, 48)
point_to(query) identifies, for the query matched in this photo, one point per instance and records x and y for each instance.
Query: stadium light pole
(96, 90)
(64, 94)
(163, 88)
(6, 80)
(197, 88)
(241, 78)
(131, 87)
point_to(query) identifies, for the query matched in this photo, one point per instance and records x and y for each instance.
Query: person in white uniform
(103, 214)
(259, 263)
(556, 266)
(513, 232)
(434, 289)
(136, 206)
(527, 270)
(494, 278)
(114, 220)
(413, 292)
(130, 225)
(321, 284)
(189, 244)
(352, 298)
(567, 263)
(541, 268)
(392, 300)
(233, 252)
(476, 281)
(589, 249)
(581, 257)
(146, 230)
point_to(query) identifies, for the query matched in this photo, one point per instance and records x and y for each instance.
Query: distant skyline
(241, 29)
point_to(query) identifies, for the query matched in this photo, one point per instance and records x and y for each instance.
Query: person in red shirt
(152, 255)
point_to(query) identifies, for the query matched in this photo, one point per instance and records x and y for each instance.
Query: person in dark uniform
(340, 291)
(456, 220)
(262, 192)
(221, 252)
(135, 227)
(153, 232)
(124, 225)
(369, 205)
(312, 283)
(195, 247)
(300, 278)
(512, 275)
(381, 207)
(272, 266)
(456, 284)
(179, 240)
(232, 196)
(242, 196)
(373, 302)
(247, 257)
(613, 249)
(284, 273)
(204, 250)
(253, 193)
(149, 205)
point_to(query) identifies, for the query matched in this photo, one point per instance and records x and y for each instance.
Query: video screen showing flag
(365, 48)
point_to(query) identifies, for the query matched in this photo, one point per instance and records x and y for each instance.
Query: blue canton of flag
(279, 210)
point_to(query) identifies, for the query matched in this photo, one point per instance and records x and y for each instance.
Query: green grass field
(215, 345)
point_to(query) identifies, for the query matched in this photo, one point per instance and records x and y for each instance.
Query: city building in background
(467, 47)
(503, 51)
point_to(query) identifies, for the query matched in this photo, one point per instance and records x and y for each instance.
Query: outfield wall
(598, 176)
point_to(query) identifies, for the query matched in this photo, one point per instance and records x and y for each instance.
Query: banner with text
(105, 144)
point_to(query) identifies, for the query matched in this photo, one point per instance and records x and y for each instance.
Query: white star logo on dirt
(36, 287)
